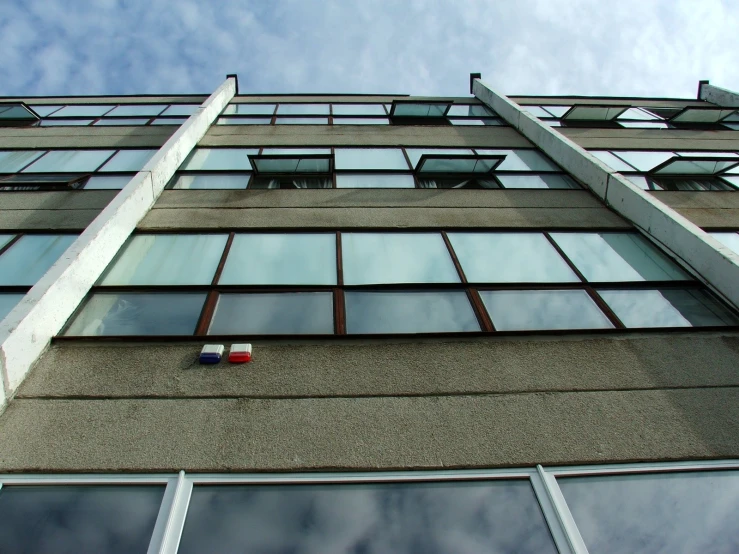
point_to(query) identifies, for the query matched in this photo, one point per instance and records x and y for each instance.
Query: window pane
(169, 121)
(636, 113)
(219, 158)
(471, 110)
(295, 151)
(510, 258)
(420, 109)
(8, 301)
(557, 111)
(672, 512)
(64, 122)
(181, 109)
(381, 180)
(639, 180)
(5, 239)
(57, 161)
(292, 164)
(442, 517)
(612, 161)
(287, 313)
(370, 158)
(301, 121)
(128, 160)
(523, 160)
(409, 312)
(610, 257)
(294, 182)
(536, 181)
(166, 260)
(358, 109)
(137, 109)
(644, 124)
(45, 111)
(414, 154)
(667, 308)
(530, 310)
(486, 121)
(30, 257)
(212, 181)
(83, 110)
(244, 121)
(729, 239)
(537, 111)
(107, 182)
(644, 161)
(83, 518)
(138, 314)
(12, 161)
(302, 109)
(361, 121)
(121, 121)
(373, 258)
(281, 259)
(249, 109)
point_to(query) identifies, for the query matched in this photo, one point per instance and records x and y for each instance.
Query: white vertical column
(27, 330)
(717, 95)
(715, 262)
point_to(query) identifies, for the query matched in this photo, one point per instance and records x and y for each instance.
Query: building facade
(484, 323)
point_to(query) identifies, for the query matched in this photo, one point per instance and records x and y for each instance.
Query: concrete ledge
(719, 96)
(85, 137)
(62, 220)
(635, 139)
(396, 218)
(369, 433)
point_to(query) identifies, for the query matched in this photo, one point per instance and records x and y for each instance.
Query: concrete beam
(27, 330)
(713, 261)
(717, 95)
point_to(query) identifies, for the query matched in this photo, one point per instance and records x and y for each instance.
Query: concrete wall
(331, 209)
(113, 136)
(623, 101)
(709, 210)
(646, 139)
(378, 405)
(71, 210)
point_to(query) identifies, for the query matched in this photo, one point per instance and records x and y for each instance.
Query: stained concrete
(708, 209)
(646, 139)
(47, 219)
(369, 433)
(57, 200)
(396, 218)
(39, 138)
(496, 365)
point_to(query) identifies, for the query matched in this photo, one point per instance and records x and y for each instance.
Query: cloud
(659, 48)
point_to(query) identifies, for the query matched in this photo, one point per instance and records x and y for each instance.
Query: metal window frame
(568, 116)
(655, 171)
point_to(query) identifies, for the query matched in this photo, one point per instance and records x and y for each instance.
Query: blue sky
(622, 47)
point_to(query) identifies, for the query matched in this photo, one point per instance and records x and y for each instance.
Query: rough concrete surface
(645, 139)
(58, 200)
(12, 220)
(152, 136)
(607, 100)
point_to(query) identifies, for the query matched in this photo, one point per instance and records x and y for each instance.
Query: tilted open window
(593, 112)
(17, 114)
(695, 165)
(705, 115)
(416, 112)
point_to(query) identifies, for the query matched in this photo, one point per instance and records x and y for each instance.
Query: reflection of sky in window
(281, 259)
(510, 258)
(536, 181)
(460, 518)
(409, 312)
(521, 160)
(167, 260)
(69, 160)
(137, 109)
(8, 301)
(5, 239)
(358, 109)
(292, 313)
(212, 181)
(667, 308)
(219, 158)
(128, 160)
(414, 154)
(380, 180)
(374, 258)
(729, 239)
(72, 519)
(610, 257)
(644, 161)
(370, 158)
(657, 513)
(107, 182)
(518, 310)
(612, 161)
(138, 314)
(250, 109)
(302, 109)
(30, 257)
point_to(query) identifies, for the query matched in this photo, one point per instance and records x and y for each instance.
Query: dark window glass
(77, 519)
(692, 183)
(289, 313)
(126, 313)
(409, 312)
(465, 182)
(460, 517)
(657, 513)
(128, 160)
(122, 121)
(379, 180)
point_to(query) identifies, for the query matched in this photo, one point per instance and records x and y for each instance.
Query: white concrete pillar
(27, 330)
(713, 261)
(717, 95)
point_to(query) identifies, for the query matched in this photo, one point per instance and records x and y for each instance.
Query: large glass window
(249, 109)
(370, 158)
(213, 159)
(128, 160)
(510, 258)
(83, 110)
(281, 259)
(82, 518)
(58, 161)
(286, 313)
(212, 181)
(371, 258)
(166, 260)
(12, 161)
(604, 257)
(26, 261)
(380, 180)
(441, 517)
(359, 109)
(8, 301)
(534, 181)
(137, 109)
(302, 109)
(142, 314)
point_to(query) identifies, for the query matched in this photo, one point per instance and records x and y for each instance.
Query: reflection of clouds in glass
(219, 158)
(274, 313)
(281, 259)
(374, 258)
(74, 519)
(8, 302)
(643, 308)
(30, 257)
(516, 310)
(609, 257)
(534, 181)
(212, 181)
(659, 514)
(371, 180)
(509, 258)
(370, 158)
(409, 312)
(497, 516)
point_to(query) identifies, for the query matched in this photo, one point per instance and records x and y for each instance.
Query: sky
(420, 47)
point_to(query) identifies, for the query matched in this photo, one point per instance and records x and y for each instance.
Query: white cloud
(632, 47)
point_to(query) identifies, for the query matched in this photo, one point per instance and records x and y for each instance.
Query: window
(128, 160)
(70, 160)
(17, 114)
(8, 301)
(25, 260)
(113, 114)
(729, 239)
(344, 283)
(219, 159)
